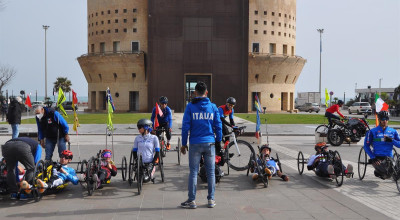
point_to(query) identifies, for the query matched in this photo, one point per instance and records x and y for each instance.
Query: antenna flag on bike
(326, 97)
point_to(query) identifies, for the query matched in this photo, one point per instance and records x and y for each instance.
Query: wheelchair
(394, 167)
(138, 170)
(335, 160)
(258, 163)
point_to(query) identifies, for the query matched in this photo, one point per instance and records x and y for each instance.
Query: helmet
(383, 115)
(265, 146)
(144, 123)
(67, 154)
(163, 100)
(340, 102)
(320, 145)
(231, 100)
(106, 153)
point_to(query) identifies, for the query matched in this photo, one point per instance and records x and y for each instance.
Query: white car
(36, 103)
(360, 108)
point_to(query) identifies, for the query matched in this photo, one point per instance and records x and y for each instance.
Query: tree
(396, 93)
(7, 73)
(64, 83)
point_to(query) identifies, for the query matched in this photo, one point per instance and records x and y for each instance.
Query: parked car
(309, 107)
(36, 103)
(68, 106)
(360, 108)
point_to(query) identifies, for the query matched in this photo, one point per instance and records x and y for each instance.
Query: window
(255, 31)
(108, 31)
(285, 24)
(102, 47)
(271, 95)
(96, 23)
(109, 21)
(96, 13)
(102, 22)
(116, 30)
(116, 21)
(290, 25)
(116, 46)
(265, 32)
(125, 30)
(290, 16)
(125, 20)
(135, 47)
(265, 12)
(273, 78)
(115, 76)
(102, 31)
(284, 49)
(108, 12)
(272, 23)
(273, 13)
(289, 35)
(265, 22)
(292, 50)
(100, 76)
(134, 20)
(284, 34)
(256, 48)
(96, 32)
(92, 48)
(272, 48)
(134, 10)
(285, 15)
(256, 12)
(125, 10)
(279, 14)
(255, 21)
(116, 11)
(279, 24)
(272, 32)
(279, 33)
(134, 30)
(102, 12)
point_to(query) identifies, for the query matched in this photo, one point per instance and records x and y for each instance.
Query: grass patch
(295, 119)
(100, 118)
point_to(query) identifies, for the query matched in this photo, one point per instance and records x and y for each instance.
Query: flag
(326, 97)
(111, 110)
(258, 107)
(61, 98)
(380, 105)
(28, 102)
(76, 121)
(156, 124)
(257, 103)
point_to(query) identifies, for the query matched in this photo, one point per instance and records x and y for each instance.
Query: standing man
(382, 139)
(165, 120)
(51, 125)
(14, 115)
(202, 120)
(26, 151)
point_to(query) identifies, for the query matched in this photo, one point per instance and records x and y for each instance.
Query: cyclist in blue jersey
(202, 120)
(165, 120)
(382, 139)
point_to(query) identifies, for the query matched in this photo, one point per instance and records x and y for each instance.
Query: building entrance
(190, 83)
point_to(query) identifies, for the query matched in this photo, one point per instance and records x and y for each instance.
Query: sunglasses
(140, 126)
(66, 157)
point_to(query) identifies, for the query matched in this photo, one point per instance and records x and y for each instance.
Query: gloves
(184, 149)
(372, 161)
(388, 139)
(218, 148)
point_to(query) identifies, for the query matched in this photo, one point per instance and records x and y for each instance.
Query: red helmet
(106, 153)
(320, 145)
(67, 154)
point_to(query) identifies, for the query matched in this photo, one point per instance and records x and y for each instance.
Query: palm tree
(65, 85)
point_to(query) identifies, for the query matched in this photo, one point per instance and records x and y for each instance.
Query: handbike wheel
(131, 169)
(139, 174)
(39, 173)
(335, 137)
(279, 163)
(236, 161)
(300, 162)
(339, 169)
(179, 151)
(396, 168)
(362, 163)
(262, 175)
(82, 170)
(161, 166)
(124, 168)
(90, 184)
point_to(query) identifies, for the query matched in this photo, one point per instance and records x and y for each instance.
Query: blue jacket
(70, 176)
(47, 127)
(166, 118)
(375, 137)
(202, 120)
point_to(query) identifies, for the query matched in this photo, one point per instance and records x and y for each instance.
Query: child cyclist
(272, 169)
(108, 168)
(148, 146)
(61, 173)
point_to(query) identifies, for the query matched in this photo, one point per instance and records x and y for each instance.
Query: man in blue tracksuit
(50, 126)
(202, 120)
(382, 139)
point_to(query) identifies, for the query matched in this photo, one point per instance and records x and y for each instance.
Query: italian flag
(380, 105)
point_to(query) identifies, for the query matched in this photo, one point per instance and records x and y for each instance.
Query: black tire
(240, 162)
(139, 174)
(362, 163)
(163, 150)
(262, 175)
(82, 170)
(339, 171)
(161, 166)
(179, 151)
(396, 168)
(90, 184)
(317, 112)
(300, 162)
(335, 137)
(278, 162)
(124, 168)
(131, 169)
(39, 173)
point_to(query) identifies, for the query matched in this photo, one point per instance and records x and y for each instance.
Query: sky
(360, 44)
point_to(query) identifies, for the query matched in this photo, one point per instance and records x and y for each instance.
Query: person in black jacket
(4, 109)
(14, 115)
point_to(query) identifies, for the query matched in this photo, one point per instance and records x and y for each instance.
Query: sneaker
(168, 146)
(189, 204)
(14, 196)
(349, 171)
(268, 172)
(26, 186)
(42, 186)
(211, 203)
(255, 176)
(331, 171)
(23, 196)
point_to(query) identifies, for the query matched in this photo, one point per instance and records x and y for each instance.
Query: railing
(253, 54)
(106, 53)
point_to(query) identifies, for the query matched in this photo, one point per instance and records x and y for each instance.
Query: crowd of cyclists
(203, 122)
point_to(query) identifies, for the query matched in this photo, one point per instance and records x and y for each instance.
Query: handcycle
(394, 168)
(217, 170)
(334, 159)
(137, 170)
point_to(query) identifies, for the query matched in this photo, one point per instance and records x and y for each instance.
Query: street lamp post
(320, 56)
(45, 27)
(380, 86)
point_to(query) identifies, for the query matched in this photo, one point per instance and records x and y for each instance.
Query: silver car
(309, 107)
(360, 108)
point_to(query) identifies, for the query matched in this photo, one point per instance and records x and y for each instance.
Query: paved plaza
(238, 197)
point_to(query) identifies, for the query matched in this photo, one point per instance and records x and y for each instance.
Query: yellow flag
(61, 98)
(326, 97)
(76, 121)
(109, 118)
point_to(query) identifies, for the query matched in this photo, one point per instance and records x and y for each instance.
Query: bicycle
(162, 138)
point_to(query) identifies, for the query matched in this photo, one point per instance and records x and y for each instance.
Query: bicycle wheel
(124, 168)
(278, 162)
(163, 148)
(131, 169)
(338, 167)
(90, 184)
(139, 174)
(362, 163)
(322, 129)
(39, 173)
(396, 170)
(300, 162)
(236, 161)
(178, 150)
(161, 166)
(335, 137)
(82, 170)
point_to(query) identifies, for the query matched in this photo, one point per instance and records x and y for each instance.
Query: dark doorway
(133, 101)
(190, 83)
(102, 100)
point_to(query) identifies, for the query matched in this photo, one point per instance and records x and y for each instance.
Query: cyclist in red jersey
(331, 110)
(225, 111)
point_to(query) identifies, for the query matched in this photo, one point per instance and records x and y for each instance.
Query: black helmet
(265, 146)
(163, 100)
(231, 100)
(383, 115)
(340, 102)
(144, 122)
